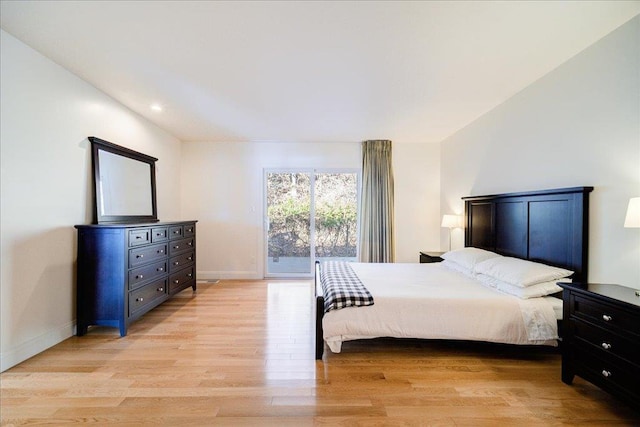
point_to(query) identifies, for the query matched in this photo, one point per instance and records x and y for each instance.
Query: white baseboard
(28, 349)
(212, 275)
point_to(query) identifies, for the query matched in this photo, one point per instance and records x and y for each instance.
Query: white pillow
(533, 291)
(457, 267)
(469, 257)
(520, 272)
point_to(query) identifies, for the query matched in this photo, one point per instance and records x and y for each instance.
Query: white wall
(223, 189)
(416, 170)
(47, 114)
(577, 126)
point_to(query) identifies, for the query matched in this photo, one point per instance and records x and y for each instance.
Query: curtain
(376, 203)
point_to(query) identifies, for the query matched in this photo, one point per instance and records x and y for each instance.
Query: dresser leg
(567, 377)
(81, 329)
(193, 287)
(566, 365)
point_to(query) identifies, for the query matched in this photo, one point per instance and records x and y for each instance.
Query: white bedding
(556, 304)
(430, 301)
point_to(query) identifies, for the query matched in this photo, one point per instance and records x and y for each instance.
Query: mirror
(124, 183)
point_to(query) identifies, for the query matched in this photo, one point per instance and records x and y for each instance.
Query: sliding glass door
(309, 215)
(288, 223)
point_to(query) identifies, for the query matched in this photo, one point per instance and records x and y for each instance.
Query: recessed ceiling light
(156, 107)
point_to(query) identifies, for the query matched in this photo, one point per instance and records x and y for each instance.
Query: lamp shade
(451, 221)
(632, 219)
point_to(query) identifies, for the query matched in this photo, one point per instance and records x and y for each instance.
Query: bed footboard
(318, 309)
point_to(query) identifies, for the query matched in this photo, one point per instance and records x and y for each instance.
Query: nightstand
(427, 257)
(602, 338)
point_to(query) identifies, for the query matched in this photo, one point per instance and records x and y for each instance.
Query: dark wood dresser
(602, 338)
(125, 270)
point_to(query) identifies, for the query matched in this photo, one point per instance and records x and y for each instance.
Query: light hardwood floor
(240, 353)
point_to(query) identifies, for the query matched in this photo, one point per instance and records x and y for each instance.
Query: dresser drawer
(150, 294)
(179, 246)
(141, 275)
(606, 315)
(147, 254)
(139, 237)
(606, 341)
(176, 232)
(607, 371)
(159, 234)
(189, 230)
(180, 279)
(180, 261)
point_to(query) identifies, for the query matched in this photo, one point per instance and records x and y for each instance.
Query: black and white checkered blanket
(342, 287)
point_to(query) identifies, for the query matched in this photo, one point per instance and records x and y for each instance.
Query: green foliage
(289, 215)
(335, 216)
(289, 210)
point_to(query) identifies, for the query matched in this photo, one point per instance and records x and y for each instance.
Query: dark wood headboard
(549, 226)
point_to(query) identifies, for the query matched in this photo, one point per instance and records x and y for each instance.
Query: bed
(435, 301)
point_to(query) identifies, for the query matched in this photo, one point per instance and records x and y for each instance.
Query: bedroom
(576, 125)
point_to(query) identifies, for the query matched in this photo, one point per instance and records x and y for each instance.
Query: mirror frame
(97, 145)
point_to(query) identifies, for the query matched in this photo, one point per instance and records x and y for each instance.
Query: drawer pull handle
(161, 269)
(161, 251)
(606, 373)
(176, 281)
(160, 289)
(138, 237)
(190, 258)
(176, 232)
(176, 263)
(140, 256)
(139, 276)
(189, 275)
(190, 243)
(606, 346)
(607, 318)
(176, 247)
(140, 299)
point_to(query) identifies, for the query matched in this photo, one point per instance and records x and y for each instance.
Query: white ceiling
(312, 71)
